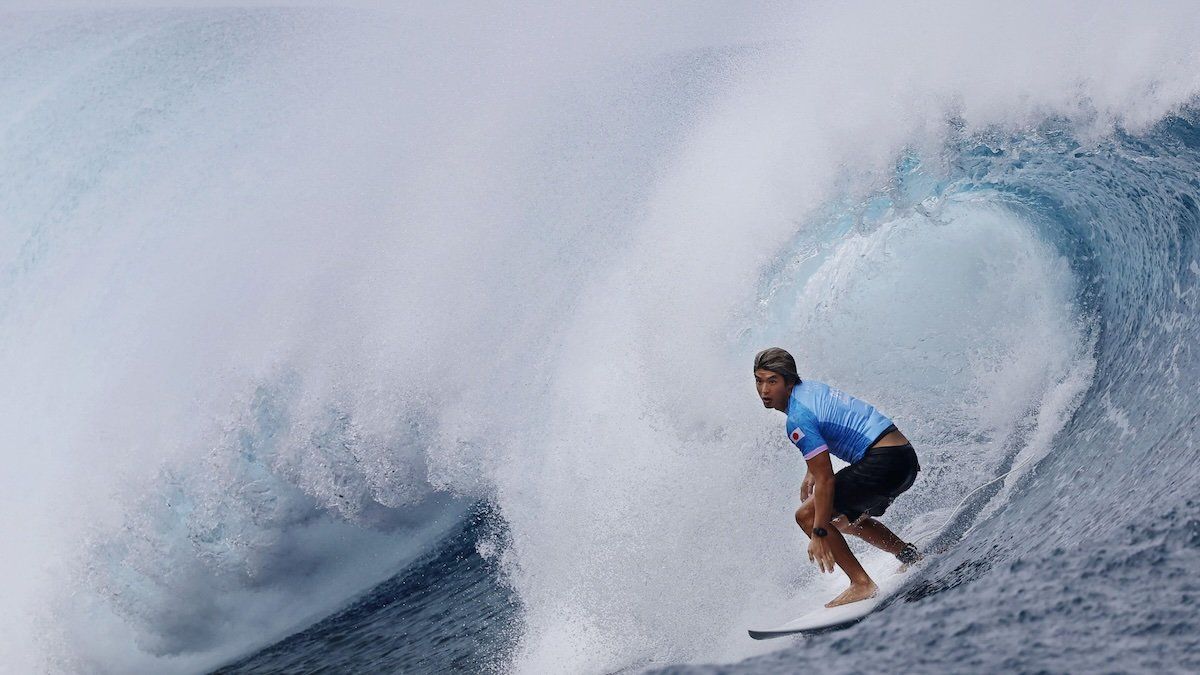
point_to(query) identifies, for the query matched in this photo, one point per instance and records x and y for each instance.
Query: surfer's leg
(861, 585)
(873, 532)
(867, 488)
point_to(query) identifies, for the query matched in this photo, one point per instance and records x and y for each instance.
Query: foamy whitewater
(420, 340)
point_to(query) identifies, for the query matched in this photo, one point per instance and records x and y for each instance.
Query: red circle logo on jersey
(796, 435)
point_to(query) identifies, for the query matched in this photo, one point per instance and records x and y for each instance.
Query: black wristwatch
(819, 531)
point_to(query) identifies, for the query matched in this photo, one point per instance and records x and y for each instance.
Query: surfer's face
(772, 389)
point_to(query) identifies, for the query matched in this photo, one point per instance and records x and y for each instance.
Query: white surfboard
(829, 618)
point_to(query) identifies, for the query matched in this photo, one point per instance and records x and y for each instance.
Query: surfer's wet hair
(778, 361)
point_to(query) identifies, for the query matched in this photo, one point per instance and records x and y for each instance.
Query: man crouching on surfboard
(823, 420)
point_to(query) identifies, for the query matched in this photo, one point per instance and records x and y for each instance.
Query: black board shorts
(870, 484)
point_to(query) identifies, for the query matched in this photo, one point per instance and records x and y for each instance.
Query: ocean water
(419, 340)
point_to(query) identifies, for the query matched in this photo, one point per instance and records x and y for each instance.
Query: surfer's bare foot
(855, 593)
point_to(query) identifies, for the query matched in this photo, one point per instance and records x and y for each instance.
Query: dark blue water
(447, 613)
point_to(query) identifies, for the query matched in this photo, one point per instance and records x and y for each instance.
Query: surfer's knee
(804, 514)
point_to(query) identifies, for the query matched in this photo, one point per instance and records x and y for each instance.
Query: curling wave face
(1080, 563)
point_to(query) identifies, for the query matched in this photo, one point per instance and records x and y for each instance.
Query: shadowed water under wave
(447, 613)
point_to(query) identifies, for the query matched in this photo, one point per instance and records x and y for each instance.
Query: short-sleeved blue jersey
(821, 418)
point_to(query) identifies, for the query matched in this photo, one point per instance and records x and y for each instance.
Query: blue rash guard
(821, 418)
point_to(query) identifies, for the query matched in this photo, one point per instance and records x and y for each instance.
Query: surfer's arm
(804, 432)
(820, 469)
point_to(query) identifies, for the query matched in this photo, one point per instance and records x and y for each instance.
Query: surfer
(822, 420)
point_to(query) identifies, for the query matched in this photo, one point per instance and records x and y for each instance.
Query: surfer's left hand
(819, 552)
